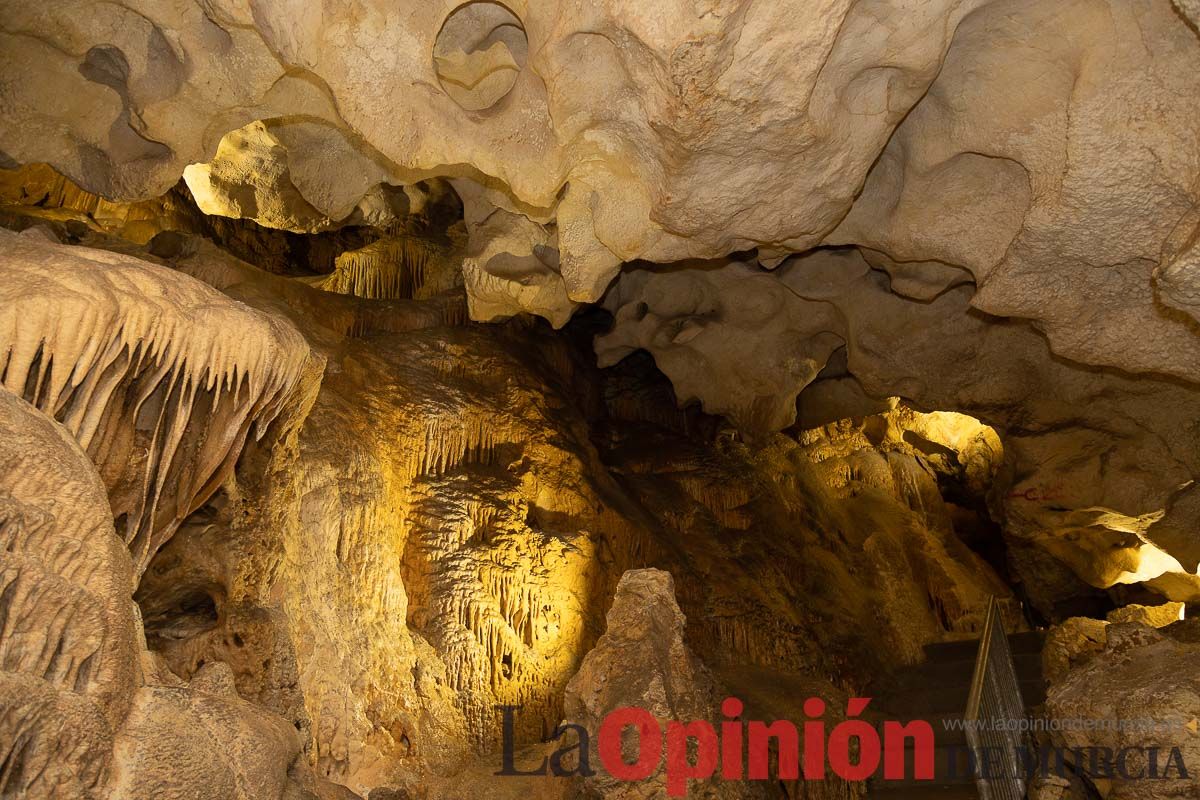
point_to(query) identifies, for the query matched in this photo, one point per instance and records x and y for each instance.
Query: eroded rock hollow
(391, 391)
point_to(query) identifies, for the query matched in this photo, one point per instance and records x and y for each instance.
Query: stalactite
(160, 378)
(451, 442)
(723, 498)
(388, 269)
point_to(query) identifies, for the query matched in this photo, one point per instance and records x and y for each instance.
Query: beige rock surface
(1154, 616)
(733, 128)
(84, 717)
(686, 137)
(69, 655)
(159, 377)
(1141, 674)
(642, 661)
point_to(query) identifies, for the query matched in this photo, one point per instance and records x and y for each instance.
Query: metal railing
(996, 696)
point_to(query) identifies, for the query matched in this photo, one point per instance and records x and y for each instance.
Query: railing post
(995, 714)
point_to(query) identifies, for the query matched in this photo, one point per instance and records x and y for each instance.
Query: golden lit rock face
(841, 529)
(396, 267)
(249, 178)
(1100, 466)
(449, 531)
(441, 523)
(38, 192)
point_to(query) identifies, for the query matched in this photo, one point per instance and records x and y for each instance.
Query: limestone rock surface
(642, 661)
(1142, 675)
(981, 138)
(929, 268)
(1108, 519)
(453, 514)
(86, 714)
(159, 377)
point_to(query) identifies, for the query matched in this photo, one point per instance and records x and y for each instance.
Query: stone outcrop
(1154, 616)
(1141, 676)
(88, 713)
(642, 661)
(1078, 639)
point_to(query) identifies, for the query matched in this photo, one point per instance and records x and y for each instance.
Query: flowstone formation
(160, 378)
(89, 711)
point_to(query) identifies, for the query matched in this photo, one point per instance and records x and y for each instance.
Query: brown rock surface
(642, 661)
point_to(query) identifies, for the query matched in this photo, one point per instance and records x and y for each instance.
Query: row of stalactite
(724, 499)
(452, 442)
(138, 384)
(750, 642)
(519, 602)
(387, 269)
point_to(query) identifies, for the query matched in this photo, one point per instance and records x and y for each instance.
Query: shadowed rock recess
(368, 368)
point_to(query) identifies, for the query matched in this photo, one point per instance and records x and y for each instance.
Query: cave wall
(436, 519)
(1023, 174)
(461, 503)
(837, 227)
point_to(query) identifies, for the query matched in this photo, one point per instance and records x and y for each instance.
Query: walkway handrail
(993, 706)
